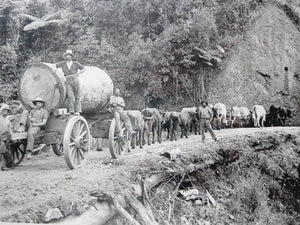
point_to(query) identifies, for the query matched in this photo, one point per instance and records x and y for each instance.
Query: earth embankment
(45, 182)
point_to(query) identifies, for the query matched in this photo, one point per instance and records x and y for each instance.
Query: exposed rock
(79, 208)
(92, 200)
(66, 207)
(53, 214)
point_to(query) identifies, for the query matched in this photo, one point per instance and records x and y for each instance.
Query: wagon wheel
(57, 149)
(18, 153)
(117, 144)
(76, 143)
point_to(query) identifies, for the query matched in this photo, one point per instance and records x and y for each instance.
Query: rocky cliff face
(255, 72)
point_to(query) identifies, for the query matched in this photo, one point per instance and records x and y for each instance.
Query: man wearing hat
(37, 119)
(71, 70)
(5, 134)
(206, 116)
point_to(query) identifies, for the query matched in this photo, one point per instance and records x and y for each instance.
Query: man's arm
(112, 101)
(81, 68)
(10, 128)
(57, 65)
(211, 115)
(43, 123)
(122, 103)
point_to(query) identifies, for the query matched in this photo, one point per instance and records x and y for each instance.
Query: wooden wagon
(69, 135)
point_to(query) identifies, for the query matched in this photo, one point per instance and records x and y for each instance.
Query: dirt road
(45, 181)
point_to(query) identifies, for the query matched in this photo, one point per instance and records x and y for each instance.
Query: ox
(220, 112)
(153, 119)
(174, 121)
(278, 115)
(165, 124)
(137, 123)
(284, 113)
(184, 122)
(193, 119)
(243, 114)
(258, 115)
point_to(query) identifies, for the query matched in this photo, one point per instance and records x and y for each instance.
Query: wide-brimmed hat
(204, 101)
(5, 107)
(68, 52)
(38, 99)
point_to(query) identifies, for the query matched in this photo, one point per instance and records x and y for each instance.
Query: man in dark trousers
(71, 70)
(206, 116)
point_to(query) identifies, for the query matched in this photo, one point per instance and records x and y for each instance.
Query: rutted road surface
(28, 191)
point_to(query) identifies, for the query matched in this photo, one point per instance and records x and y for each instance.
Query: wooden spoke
(82, 134)
(18, 153)
(81, 153)
(117, 142)
(85, 140)
(81, 128)
(76, 142)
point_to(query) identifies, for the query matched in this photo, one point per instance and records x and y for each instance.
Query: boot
(28, 154)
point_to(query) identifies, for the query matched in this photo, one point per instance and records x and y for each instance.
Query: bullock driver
(5, 134)
(72, 69)
(117, 106)
(206, 116)
(37, 119)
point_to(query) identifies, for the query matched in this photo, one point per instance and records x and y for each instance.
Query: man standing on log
(206, 116)
(117, 105)
(72, 69)
(5, 135)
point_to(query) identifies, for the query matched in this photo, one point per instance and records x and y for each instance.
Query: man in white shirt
(206, 116)
(117, 105)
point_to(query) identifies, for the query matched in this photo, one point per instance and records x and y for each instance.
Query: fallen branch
(146, 197)
(211, 199)
(263, 74)
(140, 209)
(173, 196)
(123, 212)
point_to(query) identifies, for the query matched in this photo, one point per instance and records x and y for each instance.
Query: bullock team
(150, 122)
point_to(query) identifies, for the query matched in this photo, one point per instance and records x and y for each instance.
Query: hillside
(254, 73)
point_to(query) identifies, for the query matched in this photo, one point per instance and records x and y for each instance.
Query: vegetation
(258, 184)
(169, 47)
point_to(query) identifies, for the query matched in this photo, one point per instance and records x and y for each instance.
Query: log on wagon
(69, 135)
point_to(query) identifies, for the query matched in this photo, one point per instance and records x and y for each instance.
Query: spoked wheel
(76, 142)
(57, 149)
(18, 153)
(117, 144)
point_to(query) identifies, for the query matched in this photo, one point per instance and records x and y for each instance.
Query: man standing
(37, 119)
(71, 70)
(5, 134)
(206, 116)
(117, 105)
